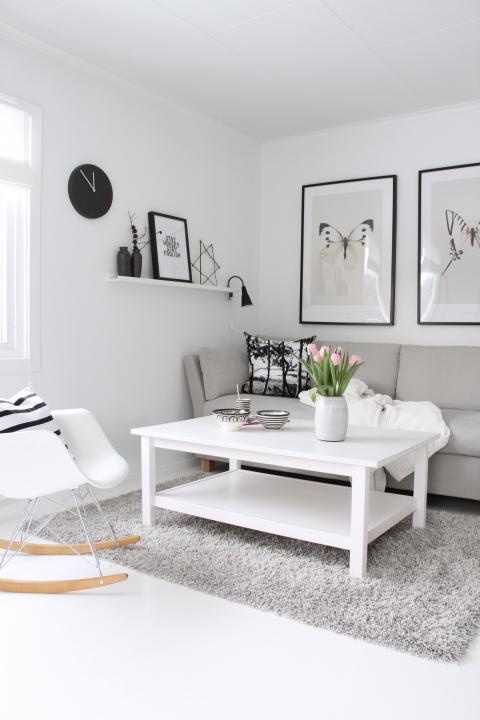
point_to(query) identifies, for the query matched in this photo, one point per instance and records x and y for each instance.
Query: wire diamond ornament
(206, 259)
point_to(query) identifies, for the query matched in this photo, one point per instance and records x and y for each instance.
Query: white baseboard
(11, 508)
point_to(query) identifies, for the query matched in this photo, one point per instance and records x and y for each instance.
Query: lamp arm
(233, 277)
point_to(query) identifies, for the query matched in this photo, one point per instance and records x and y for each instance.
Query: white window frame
(24, 356)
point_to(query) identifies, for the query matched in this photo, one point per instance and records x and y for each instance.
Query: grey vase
(123, 262)
(136, 262)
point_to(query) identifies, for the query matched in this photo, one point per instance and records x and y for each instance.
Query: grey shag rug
(421, 595)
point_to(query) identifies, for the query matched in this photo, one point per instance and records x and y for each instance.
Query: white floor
(146, 648)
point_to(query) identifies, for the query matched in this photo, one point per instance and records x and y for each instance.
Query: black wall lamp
(246, 300)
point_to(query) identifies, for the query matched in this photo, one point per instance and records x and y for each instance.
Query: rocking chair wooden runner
(36, 464)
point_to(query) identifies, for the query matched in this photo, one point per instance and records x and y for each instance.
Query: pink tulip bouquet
(330, 370)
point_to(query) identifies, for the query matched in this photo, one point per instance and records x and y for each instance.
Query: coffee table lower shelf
(312, 511)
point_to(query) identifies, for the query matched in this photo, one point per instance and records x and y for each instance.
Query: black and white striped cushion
(26, 411)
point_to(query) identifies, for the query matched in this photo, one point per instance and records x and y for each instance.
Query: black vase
(136, 262)
(123, 262)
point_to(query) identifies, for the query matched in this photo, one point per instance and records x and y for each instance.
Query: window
(19, 231)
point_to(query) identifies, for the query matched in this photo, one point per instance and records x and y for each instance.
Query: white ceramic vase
(331, 418)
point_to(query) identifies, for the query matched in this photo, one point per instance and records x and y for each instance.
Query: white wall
(398, 146)
(118, 349)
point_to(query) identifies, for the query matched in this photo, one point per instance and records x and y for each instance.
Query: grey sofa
(447, 376)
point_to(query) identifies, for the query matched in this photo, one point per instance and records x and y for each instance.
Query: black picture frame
(389, 312)
(162, 264)
(448, 265)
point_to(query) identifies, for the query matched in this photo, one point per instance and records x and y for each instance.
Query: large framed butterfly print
(348, 252)
(449, 245)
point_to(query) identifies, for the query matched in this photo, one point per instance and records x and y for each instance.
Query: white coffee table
(318, 512)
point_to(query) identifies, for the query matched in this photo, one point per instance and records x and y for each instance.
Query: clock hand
(93, 180)
(88, 181)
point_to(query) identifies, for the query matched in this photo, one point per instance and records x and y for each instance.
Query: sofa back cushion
(381, 363)
(447, 376)
(222, 370)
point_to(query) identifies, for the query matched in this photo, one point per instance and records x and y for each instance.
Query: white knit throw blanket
(372, 410)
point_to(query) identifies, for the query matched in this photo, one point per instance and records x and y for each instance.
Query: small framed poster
(449, 245)
(347, 274)
(170, 250)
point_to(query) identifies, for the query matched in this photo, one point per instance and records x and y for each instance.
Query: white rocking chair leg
(28, 532)
(102, 513)
(87, 534)
(26, 526)
(42, 524)
(29, 528)
(26, 514)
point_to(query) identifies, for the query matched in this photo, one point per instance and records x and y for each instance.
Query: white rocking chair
(36, 464)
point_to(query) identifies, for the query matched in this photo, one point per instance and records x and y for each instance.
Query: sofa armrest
(195, 383)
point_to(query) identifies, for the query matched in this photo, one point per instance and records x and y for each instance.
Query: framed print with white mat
(347, 272)
(449, 245)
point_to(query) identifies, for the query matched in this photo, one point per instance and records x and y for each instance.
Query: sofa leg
(207, 465)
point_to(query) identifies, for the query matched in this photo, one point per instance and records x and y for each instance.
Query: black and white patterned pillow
(26, 411)
(273, 368)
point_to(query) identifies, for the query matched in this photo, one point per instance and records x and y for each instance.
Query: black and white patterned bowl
(273, 419)
(231, 418)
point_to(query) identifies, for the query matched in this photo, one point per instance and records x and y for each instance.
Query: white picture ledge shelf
(168, 283)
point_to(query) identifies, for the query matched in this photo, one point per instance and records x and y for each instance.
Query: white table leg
(148, 479)
(420, 480)
(234, 464)
(359, 521)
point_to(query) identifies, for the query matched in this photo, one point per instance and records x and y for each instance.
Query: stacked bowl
(273, 419)
(243, 404)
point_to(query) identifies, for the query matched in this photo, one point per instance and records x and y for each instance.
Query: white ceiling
(274, 67)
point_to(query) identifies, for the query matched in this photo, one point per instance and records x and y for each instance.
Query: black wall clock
(90, 191)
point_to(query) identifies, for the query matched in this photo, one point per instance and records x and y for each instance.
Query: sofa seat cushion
(464, 432)
(464, 424)
(297, 410)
